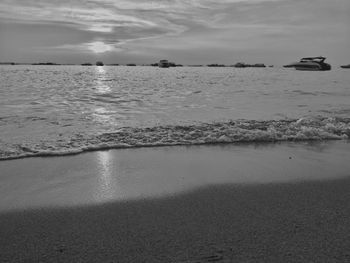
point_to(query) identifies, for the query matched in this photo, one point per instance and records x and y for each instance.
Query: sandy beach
(300, 217)
(303, 222)
(174, 131)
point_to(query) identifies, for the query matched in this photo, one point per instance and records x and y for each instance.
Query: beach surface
(283, 202)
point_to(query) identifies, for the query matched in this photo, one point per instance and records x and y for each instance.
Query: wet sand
(300, 222)
(128, 174)
(238, 203)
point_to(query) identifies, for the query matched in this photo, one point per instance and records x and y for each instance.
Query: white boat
(163, 63)
(311, 63)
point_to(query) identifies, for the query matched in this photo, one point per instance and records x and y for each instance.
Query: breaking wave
(312, 128)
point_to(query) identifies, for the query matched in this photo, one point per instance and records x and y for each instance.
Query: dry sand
(301, 222)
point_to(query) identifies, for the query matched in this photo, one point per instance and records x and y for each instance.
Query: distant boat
(45, 64)
(163, 63)
(258, 65)
(289, 65)
(240, 65)
(7, 63)
(345, 66)
(244, 65)
(99, 63)
(310, 63)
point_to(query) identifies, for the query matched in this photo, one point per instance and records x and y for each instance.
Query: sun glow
(99, 47)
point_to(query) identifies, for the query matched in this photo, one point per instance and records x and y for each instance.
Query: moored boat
(310, 63)
(163, 63)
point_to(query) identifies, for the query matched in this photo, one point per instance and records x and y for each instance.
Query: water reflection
(101, 87)
(100, 113)
(106, 187)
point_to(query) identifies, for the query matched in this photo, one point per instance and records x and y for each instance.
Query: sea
(62, 110)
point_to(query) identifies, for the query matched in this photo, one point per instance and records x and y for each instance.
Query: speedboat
(164, 63)
(311, 63)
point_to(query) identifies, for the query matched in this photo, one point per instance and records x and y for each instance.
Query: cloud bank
(187, 31)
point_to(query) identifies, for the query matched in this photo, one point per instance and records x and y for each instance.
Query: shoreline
(135, 173)
(165, 145)
(241, 131)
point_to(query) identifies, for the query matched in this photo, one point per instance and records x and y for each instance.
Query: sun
(99, 47)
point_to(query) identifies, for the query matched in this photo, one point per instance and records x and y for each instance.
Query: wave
(311, 128)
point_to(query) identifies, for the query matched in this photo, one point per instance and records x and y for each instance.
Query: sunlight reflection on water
(106, 186)
(100, 113)
(100, 86)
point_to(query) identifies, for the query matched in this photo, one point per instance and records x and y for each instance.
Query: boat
(163, 63)
(310, 63)
(345, 66)
(244, 65)
(240, 65)
(99, 63)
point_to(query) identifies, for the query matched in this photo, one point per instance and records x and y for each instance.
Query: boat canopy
(313, 58)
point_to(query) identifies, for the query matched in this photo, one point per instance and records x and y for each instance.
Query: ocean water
(58, 110)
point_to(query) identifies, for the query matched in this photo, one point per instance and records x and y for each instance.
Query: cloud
(95, 47)
(93, 14)
(148, 26)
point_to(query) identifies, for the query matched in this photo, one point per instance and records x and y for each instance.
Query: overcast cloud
(185, 31)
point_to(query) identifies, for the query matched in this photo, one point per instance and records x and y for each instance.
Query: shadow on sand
(299, 222)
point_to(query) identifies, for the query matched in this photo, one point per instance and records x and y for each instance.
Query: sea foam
(310, 128)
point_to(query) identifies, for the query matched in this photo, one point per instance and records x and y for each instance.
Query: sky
(182, 31)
